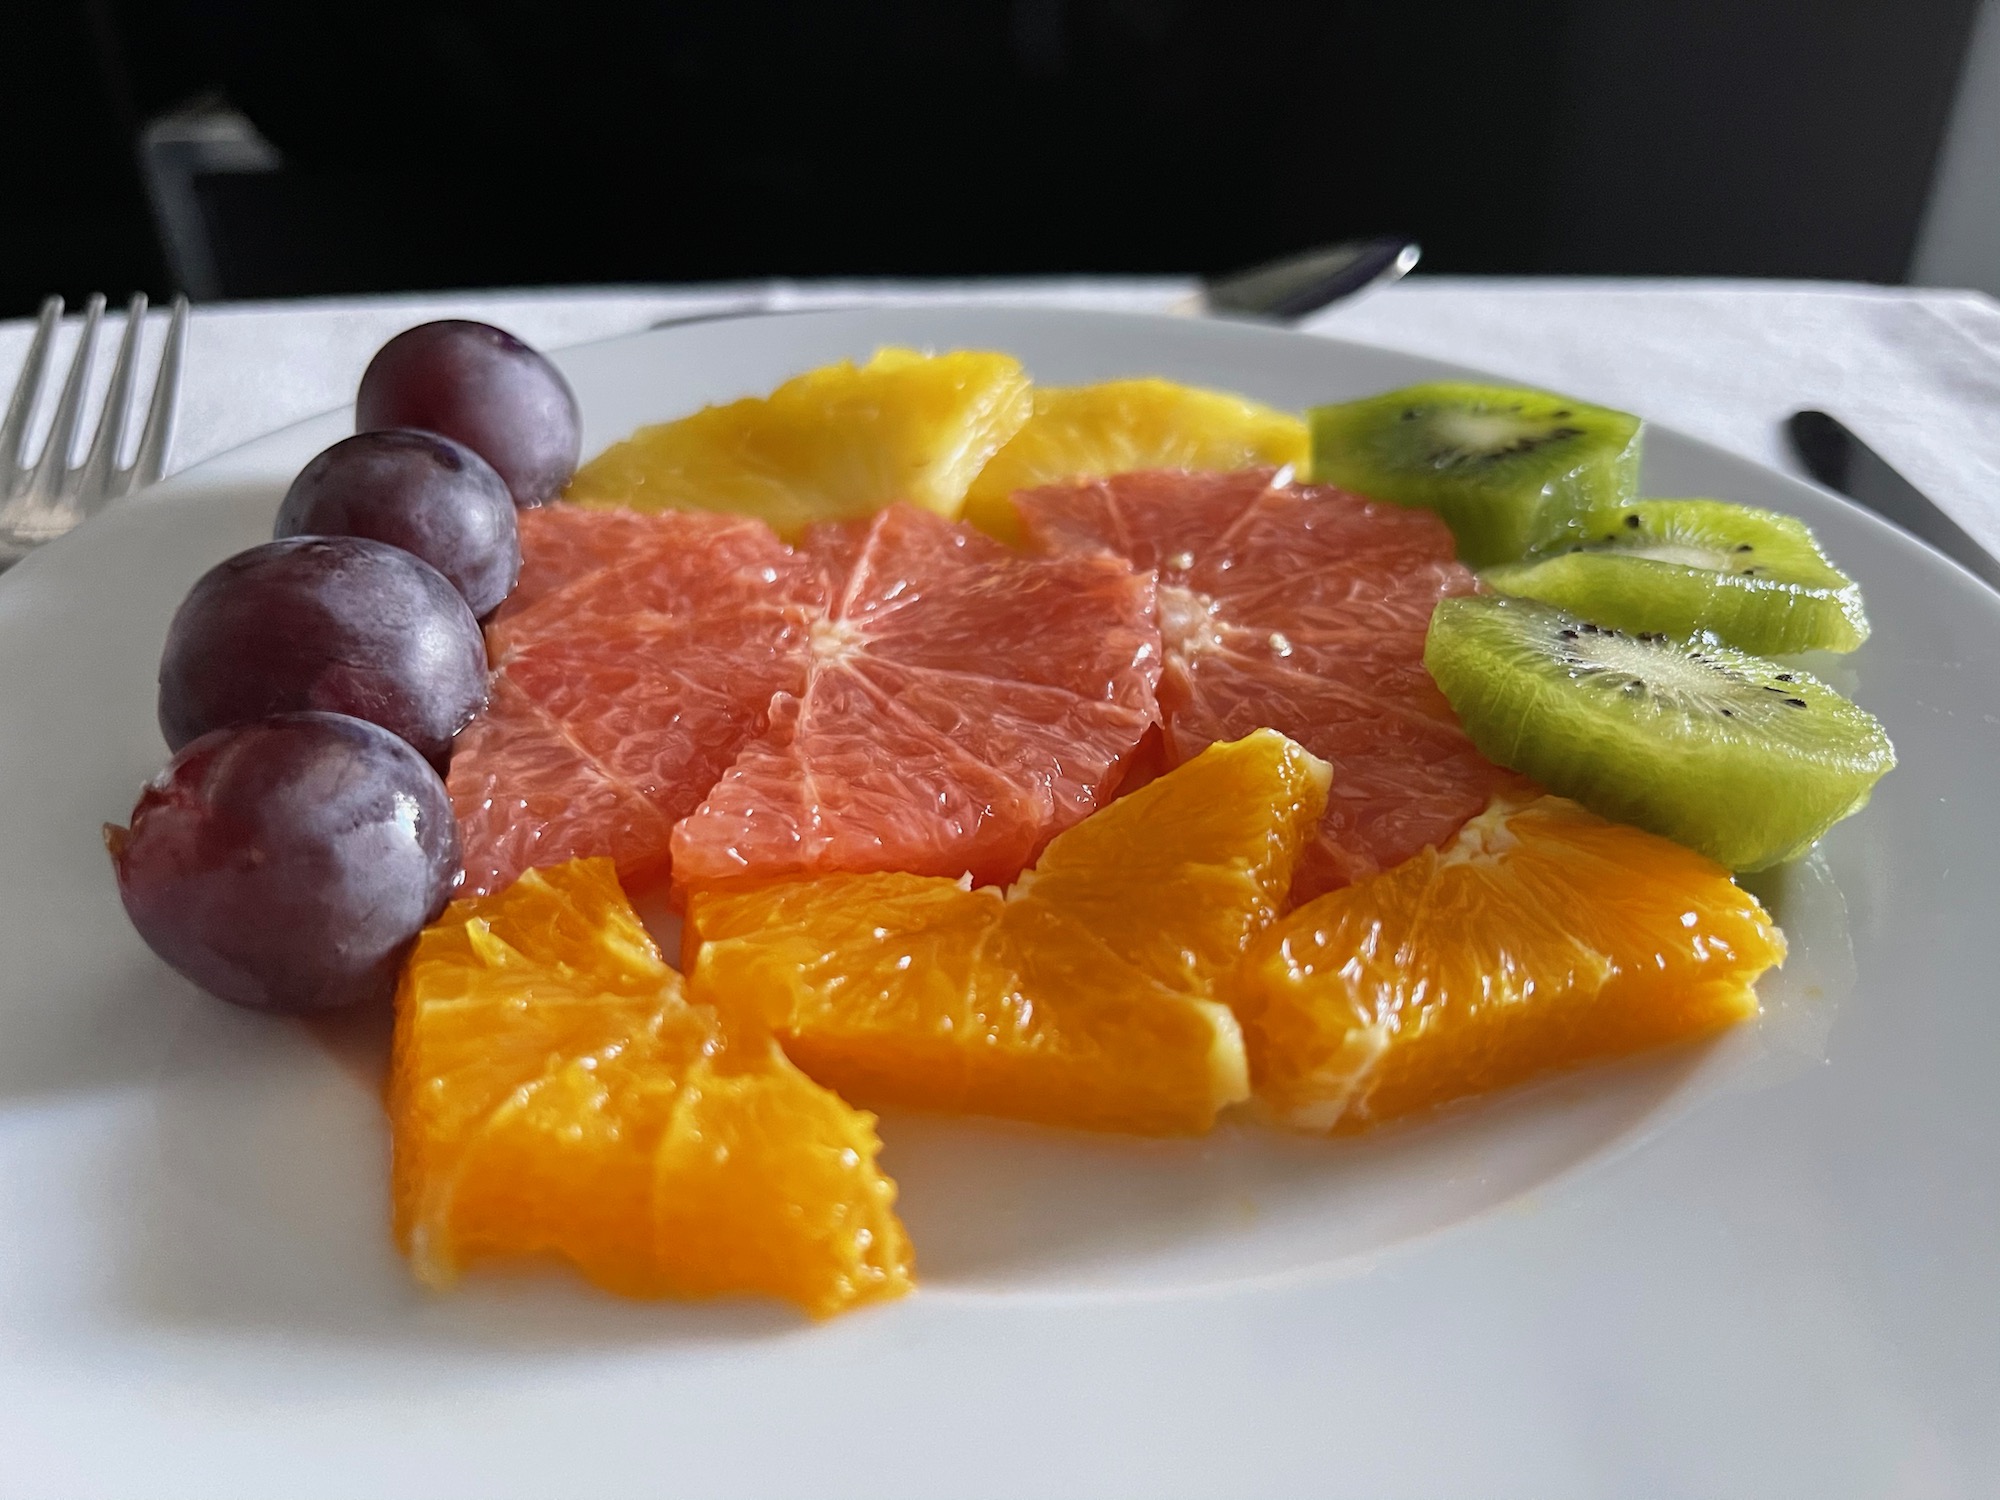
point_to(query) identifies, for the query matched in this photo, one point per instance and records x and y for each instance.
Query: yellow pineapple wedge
(834, 443)
(1087, 431)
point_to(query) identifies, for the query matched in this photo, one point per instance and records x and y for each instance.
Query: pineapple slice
(1085, 432)
(835, 443)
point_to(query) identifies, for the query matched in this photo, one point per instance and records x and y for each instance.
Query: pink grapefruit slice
(1299, 608)
(895, 693)
(636, 658)
(963, 704)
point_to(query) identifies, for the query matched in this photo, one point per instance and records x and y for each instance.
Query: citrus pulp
(1300, 608)
(1540, 938)
(1088, 994)
(898, 693)
(960, 703)
(553, 1094)
(637, 657)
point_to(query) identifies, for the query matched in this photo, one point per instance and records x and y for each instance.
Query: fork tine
(156, 442)
(52, 468)
(21, 409)
(98, 479)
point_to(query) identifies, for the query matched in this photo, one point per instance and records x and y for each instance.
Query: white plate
(1771, 1266)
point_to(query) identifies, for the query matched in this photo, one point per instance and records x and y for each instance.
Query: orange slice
(833, 444)
(1119, 426)
(1542, 937)
(553, 1094)
(1085, 995)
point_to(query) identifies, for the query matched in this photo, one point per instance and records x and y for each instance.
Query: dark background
(512, 142)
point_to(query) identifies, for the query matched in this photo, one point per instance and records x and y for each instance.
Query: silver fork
(40, 503)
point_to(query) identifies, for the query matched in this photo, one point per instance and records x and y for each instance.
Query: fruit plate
(1767, 1265)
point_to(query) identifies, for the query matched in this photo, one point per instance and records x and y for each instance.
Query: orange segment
(833, 444)
(1541, 938)
(1088, 431)
(1086, 995)
(553, 1094)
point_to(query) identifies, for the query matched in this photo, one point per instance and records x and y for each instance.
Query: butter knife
(1841, 461)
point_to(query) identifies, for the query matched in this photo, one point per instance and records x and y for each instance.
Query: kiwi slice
(1753, 578)
(1744, 759)
(1511, 472)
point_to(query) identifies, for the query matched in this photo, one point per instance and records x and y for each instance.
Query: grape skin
(287, 865)
(484, 387)
(423, 492)
(342, 624)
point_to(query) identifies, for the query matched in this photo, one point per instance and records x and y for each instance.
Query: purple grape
(419, 491)
(338, 623)
(484, 387)
(287, 865)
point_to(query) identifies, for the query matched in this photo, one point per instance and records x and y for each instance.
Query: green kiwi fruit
(1512, 472)
(1745, 760)
(1753, 578)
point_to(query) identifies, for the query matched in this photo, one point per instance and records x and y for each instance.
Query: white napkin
(1916, 373)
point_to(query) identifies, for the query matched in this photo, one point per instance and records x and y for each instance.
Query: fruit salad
(1116, 757)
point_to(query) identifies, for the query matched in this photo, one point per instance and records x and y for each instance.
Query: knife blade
(1841, 461)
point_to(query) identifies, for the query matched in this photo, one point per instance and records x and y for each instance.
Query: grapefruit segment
(590, 571)
(557, 549)
(898, 693)
(525, 795)
(554, 1095)
(1541, 937)
(949, 600)
(1085, 995)
(1303, 609)
(962, 705)
(639, 660)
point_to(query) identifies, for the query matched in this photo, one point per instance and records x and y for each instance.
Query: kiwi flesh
(1746, 760)
(1755, 579)
(1511, 471)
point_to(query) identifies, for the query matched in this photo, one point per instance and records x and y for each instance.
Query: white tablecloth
(1917, 373)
